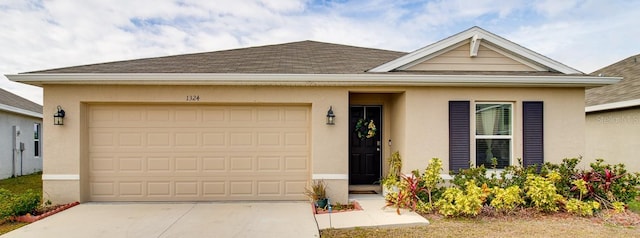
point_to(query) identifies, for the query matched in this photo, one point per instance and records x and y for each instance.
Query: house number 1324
(193, 98)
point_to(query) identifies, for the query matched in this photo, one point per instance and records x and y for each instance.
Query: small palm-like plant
(316, 191)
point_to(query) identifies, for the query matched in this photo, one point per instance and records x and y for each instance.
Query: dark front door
(364, 141)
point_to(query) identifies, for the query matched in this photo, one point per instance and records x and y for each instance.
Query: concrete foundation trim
(330, 176)
(64, 177)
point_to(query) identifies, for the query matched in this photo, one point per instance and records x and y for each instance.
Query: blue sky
(35, 35)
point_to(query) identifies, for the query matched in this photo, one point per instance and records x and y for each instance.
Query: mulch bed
(352, 206)
(44, 212)
(610, 217)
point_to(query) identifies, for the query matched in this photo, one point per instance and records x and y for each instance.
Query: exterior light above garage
(58, 117)
(330, 116)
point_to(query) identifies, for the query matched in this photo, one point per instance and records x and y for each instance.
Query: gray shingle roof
(304, 57)
(13, 100)
(627, 89)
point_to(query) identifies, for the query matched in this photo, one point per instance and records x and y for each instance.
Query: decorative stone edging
(30, 218)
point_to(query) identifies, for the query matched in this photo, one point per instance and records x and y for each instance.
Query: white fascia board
(614, 105)
(468, 34)
(389, 79)
(4, 107)
(423, 52)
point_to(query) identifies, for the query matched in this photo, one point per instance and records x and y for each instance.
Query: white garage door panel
(198, 153)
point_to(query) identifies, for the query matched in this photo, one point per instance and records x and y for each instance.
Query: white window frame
(509, 137)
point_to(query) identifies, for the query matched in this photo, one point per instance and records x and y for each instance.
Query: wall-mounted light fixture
(330, 116)
(58, 117)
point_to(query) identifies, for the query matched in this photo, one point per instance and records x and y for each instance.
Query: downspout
(21, 153)
(14, 136)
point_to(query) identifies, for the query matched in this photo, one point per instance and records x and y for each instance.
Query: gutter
(611, 106)
(4, 107)
(314, 80)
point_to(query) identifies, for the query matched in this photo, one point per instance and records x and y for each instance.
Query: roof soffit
(477, 36)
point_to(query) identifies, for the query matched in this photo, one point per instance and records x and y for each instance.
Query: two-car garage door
(198, 152)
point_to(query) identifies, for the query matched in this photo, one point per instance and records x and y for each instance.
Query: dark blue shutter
(459, 135)
(533, 133)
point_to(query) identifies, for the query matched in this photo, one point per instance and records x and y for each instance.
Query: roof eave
(315, 80)
(20, 111)
(468, 34)
(612, 106)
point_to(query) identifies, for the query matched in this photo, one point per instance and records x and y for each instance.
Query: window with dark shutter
(459, 135)
(533, 133)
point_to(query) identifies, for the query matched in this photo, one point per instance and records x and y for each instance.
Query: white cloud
(39, 35)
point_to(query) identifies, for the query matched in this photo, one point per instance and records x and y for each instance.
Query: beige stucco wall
(614, 136)
(415, 120)
(66, 145)
(426, 134)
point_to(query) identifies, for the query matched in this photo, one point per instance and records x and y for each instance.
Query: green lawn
(23, 183)
(635, 206)
(19, 185)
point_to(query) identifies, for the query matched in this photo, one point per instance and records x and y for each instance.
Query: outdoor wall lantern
(58, 117)
(330, 116)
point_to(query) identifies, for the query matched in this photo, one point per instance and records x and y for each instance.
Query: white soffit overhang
(476, 36)
(389, 79)
(614, 105)
(7, 108)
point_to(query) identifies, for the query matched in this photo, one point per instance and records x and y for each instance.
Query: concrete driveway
(233, 219)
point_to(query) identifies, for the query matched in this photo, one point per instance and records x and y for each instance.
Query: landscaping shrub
(516, 175)
(582, 208)
(550, 188)
(634, 206)
(478, 175)
(566, 170)
(431, 178)
(577, 206)
(407, 195)
(17, 205)
(506, 199)
(542, 193)
(612, 183)
(456, 202)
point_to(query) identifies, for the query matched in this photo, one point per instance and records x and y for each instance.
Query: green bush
(456, 202)
(516, 175)
(614, 183)
(582, 208)
(507, 199)
(542, 193)
(17, 205)
(634, 206)
(567, 171)
(551, 188)
(478, 175)
(431, 178)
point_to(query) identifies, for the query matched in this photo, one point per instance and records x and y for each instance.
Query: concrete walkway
(232, 219)
(373, 214)
(140, 220)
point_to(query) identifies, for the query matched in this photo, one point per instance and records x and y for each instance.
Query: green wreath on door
(365, 129)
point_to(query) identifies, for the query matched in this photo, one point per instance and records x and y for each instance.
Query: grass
(635, 206)
(515, 227)
(23, 183)
(19, 185)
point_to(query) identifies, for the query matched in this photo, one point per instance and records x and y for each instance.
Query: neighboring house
(251, 123)
(613, 116)
(20, 136)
